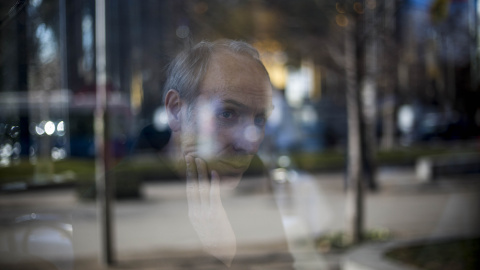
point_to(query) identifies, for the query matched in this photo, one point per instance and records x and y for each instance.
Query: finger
(191, 170)
(192, 182)
(215, 199)
(203, 182)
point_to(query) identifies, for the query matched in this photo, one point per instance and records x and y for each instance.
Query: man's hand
(206, 212)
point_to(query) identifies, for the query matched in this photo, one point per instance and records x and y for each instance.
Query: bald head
(188, 69)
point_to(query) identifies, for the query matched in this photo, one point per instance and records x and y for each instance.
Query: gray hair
(187, 70)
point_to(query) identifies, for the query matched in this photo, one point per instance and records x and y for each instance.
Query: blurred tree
(347, 37)
(439, 10)
(354, 68)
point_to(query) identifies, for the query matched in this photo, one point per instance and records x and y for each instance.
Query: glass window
(249, 134)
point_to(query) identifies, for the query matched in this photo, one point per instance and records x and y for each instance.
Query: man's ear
(173, 106)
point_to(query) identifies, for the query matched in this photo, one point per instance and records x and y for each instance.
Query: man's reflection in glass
(218, 98)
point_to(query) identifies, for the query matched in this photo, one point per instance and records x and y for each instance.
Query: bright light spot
(36, 3)
(299, 84)
(47, 44)
(49, 128)
(40, 128)
(309, 116)
(183, 31)
(5, 162)
(280, 175)
(61, 128)
(14, 131)
(17, 148)
(58, 153)
(284, 161)
(6, 150)
(423, 169)
(160, 119)
(406, 118)
(252, 134)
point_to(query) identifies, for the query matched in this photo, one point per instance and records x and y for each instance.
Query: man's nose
(248, 139)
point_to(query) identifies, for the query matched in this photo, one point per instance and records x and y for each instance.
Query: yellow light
(274, 59)
(136, 93)
(278, 75)
(358, 7)
(341, 20)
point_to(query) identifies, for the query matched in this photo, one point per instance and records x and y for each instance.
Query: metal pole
(104, 186)
(474, 10)
(64, 73)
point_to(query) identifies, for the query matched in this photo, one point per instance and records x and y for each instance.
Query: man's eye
(227, 114)
(260, 121)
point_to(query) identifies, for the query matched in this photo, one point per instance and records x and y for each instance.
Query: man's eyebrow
(243, 106)
(236, 103)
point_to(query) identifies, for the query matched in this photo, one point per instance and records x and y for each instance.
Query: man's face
(226, 124)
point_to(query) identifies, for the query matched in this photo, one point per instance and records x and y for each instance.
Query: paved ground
(311, 205)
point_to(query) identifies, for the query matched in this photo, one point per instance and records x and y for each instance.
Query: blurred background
(405, 74)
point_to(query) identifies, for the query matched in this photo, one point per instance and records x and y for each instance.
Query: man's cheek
(207, 145)
(189, 144)
(207, 135)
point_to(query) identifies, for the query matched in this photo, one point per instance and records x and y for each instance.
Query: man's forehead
(225, 60)
(237, 78)
(265, 106)
(256, 94)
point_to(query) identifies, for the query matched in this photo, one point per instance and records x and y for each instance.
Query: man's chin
(230, 174)
(229, 182)
(231, 169)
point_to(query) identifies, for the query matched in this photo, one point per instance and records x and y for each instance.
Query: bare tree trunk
(369, 99)
(388, 120)
(355, 134)
(388, 109)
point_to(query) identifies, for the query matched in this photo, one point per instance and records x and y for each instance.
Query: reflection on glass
(49, 128)
(425, 61)
(58, 153)
(160, 119)
(40, 128)
(87, 42)
(60, 128)
(47, 44)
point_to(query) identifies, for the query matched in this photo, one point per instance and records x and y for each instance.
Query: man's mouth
(236, 163)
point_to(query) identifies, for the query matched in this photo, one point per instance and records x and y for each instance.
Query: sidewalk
(311, 206)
